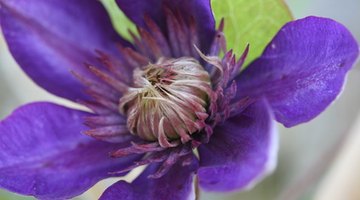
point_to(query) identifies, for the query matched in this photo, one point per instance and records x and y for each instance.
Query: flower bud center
(168, 101)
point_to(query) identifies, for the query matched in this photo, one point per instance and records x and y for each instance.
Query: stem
(197, 189)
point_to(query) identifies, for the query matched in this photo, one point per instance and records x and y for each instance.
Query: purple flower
(154, 101)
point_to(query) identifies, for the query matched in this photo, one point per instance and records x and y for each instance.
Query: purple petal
(241, 152)
(48, 39)
(199, 9)
(302, 70)
(177, 184)
(43, 153)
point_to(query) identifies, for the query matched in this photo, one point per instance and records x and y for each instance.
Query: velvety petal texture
(43, 153)
(241, 151)
(302, 70)
(177, 184)
(49, 38)
(200, 10)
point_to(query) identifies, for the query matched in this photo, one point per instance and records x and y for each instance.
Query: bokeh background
(317, 160)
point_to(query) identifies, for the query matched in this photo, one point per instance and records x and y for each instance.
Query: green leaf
(8, 195)
(252, 22)
(121, 23)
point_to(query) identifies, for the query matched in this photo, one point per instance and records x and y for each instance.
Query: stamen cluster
(168, 101)
(171, 98)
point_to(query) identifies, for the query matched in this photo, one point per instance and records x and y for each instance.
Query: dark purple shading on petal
(199, 9)
(241, 152)
(49, 38)
(177, 184)
(43, 153)
(302, 70)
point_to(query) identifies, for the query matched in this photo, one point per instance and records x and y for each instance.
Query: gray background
(302, 148)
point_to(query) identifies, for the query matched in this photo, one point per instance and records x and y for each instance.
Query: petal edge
(241, 152)
(302, 70)
(43, 153)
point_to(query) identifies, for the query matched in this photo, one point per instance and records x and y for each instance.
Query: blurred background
(317, 160)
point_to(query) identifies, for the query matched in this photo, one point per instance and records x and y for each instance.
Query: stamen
(168, 102)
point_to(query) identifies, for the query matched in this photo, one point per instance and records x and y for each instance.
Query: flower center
(168, 101)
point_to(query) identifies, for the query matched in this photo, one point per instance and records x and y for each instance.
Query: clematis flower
(158, 99)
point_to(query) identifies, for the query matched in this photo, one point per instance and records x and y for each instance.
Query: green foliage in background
(5, 195)
(253, 22)
(246, 21)
(121, 23)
